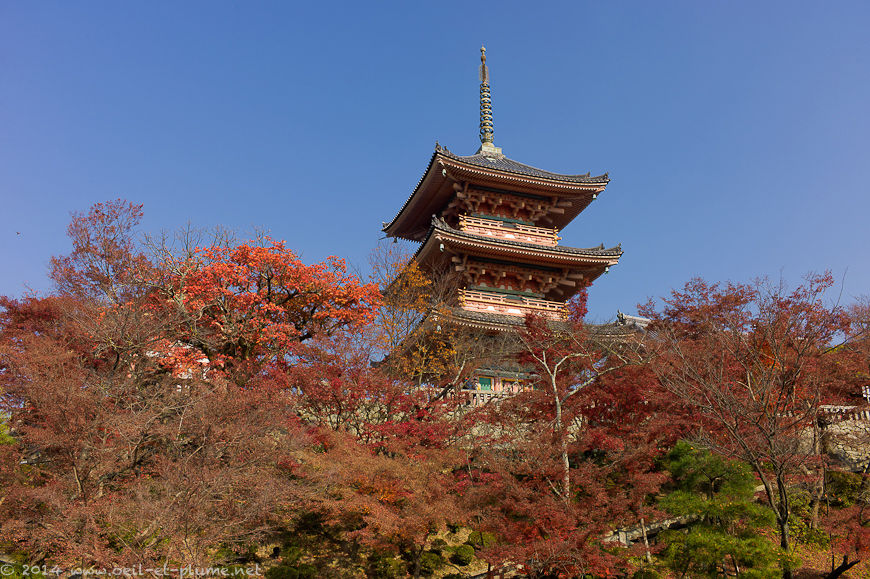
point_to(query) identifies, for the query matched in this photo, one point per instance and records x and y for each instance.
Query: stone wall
(847, 438)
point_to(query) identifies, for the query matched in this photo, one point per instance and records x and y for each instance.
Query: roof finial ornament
(486, 128)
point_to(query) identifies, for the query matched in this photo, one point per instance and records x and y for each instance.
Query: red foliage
(565, 463)
(129, 441)
(104, 264)
(757, 363)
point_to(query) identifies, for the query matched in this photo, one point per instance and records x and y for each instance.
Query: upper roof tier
(448, 173)
(499, 162)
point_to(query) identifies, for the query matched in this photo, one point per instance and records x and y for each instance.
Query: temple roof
(443, 241)
(531, 252)
(487, 169)
(486, 320)
(501, 322)
(499, 162)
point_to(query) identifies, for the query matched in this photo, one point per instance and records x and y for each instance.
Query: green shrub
(844, 488)
(646, 573)
(5, 437)
(384, 566)
(438, 546)
(462, 555)
(297, 571)
(430, 562)
(479, 540)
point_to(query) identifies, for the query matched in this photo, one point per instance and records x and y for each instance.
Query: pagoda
(495, 223)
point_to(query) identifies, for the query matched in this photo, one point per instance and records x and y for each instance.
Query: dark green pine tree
(725, 538)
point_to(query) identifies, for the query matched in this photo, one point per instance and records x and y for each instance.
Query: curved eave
(481, 246)
(435, 190)
(502, 322)
(483, 321)
(525, 183)
(416, 212)
(592, 263)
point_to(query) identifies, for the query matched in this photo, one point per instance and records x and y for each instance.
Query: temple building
(495, 222)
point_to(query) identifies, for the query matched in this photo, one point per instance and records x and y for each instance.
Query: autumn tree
(106, 264)
(567, 359)
(755, 362)
(559, 466)
(147, 400)
(419, 337)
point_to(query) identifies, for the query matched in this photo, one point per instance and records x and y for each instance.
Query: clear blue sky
(736, 134)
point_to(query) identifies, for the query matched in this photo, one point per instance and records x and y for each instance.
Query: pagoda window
(484, 383)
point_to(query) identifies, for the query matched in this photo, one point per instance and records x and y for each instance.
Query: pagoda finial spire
(486, 128)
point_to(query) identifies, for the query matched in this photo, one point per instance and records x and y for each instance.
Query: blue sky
(736, 134)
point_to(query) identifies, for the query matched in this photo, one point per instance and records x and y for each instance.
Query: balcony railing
(509, 231)
(478, 301)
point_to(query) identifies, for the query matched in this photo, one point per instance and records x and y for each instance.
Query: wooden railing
(509, 231)
(480, 397)
(478, 301)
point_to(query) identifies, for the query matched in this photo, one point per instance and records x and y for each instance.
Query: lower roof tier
(497, 322)
(446, 247)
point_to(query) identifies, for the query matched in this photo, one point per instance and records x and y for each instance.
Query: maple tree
(567, 359)
(147, 401)
(115, 461)
(408, 294)
(169, 405)
(249, 306)
(105, 264)
(558, 466)
(755, 362)
(399, 491)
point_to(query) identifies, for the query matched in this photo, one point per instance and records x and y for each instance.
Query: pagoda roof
(487, 168)
(486, 320)
(527, 253)
(499, 162)
(502, 322)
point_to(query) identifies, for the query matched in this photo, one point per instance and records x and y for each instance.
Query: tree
(554, 469)
(395, 493)
(147, 401)
(567, 359)
(249, 306)
(105, 264)
(719, 494)
(416, 330)
(754, 360)
(113, 462)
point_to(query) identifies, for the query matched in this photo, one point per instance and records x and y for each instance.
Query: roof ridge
(501, 162)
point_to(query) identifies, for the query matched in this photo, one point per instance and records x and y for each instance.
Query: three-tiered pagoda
(496, 222)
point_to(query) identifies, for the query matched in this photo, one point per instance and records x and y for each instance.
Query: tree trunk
(645, 541)
(566, 470)
(842, 567)
(784, 543)
(819, 486)
(563, 446)
(417, 558)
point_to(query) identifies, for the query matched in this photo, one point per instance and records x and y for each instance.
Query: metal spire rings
(486, 127)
